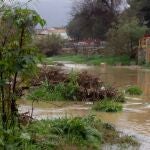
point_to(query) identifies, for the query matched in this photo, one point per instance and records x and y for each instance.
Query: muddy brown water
(135, 118)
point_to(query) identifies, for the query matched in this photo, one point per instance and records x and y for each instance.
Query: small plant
(61, 91)
(43, 93)
(50, 44)
(71, 87)
(128, 139)
(107, 106)
(134, 90)
(120, 97)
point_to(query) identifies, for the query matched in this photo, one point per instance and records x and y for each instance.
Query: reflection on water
(135, 118)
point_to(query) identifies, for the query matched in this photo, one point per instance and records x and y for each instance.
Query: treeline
(120, 23)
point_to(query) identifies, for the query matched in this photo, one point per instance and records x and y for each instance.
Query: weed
(134, 90)
(61, 91)
(107, 106)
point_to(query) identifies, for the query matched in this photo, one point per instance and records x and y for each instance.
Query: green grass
(91, 60)
(44, 93)
(134, 90)
(78, 133)
(66, 133)
(58, 92)
(107, 106)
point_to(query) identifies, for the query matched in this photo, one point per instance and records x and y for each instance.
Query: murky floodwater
(135, 118)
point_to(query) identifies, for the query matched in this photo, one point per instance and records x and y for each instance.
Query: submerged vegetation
(91, 60)
(107, 106)
(134, 90)
(82, 86)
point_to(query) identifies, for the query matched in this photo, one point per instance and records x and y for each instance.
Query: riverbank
(91, 60)
(73, 115)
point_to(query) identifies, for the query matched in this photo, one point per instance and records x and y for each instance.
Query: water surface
(135, 118)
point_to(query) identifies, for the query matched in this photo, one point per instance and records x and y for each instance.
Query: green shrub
(107, 106)
(71, 87)
(61, 91)
(46, 94)
(50, 44)
(134, 90)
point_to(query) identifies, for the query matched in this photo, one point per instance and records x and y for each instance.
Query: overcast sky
(55, 12)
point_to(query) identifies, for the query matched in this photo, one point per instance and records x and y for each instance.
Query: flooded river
(135, 118)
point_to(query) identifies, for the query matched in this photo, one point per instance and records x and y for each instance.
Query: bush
(46, 94)
(61, 91)
(134, 90)
(77, 132)
(50, 44)
(66, 133)
(107, 106)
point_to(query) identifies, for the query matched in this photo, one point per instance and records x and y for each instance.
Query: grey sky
(55, 12)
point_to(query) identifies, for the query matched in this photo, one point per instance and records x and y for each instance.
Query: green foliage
(14, 138)
(43, 93)
(61, 91)
(71, 87)
(141, 9)
(92, 60)
(50, 44)
(108, 106)
(17, 57)
(134, 90)
(88, 19)
(124, 36)
(79, 133)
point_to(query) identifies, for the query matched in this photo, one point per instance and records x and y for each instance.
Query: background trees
(50, 44)
(124, 36)
(92, 18)
(141, 9)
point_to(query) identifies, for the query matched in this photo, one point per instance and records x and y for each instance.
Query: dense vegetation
(17, 58)
(108, 106)
(92, 18)
(113, 21)
(65, 134)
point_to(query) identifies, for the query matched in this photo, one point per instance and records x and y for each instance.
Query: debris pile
(90, 87)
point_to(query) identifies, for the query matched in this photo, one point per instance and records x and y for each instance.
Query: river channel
(135, 118)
